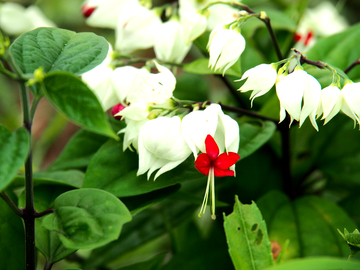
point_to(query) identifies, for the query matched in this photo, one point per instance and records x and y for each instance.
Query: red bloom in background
(212, 164)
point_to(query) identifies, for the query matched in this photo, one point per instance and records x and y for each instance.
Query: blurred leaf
(191, 87)
(339, 50)
(48, 242)
(310, 223)
(201, 66)
(113, 170)
(151, 264)
(78, 151)
(58, 49)
(12, 239)
(144, 227)
(72, 178)
(321, 263)
(252, 137)
(247, 237)
(14, 149)
(74, 99)
(87, 218)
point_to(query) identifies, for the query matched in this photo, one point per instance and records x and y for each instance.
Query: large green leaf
(74, 99)
(252, 137)
(14, 148)
(339, 50)
(201, 66)
(114, 170)
(48, 242)
(78, 151)
(87, 218)
(58, 49)
(151, 264)
(12, 239)
(310, 223)
(247, 237)
(321, 263)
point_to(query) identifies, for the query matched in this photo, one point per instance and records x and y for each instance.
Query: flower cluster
(300, 94)
(140, 27)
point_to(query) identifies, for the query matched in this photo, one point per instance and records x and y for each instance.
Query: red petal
(87, 11)
(225, 160)
(220, 172)
(202, 163)
(211, 147)
(116, 109)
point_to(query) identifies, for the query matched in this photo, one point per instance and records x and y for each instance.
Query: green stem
(29, 211)
(12, 205)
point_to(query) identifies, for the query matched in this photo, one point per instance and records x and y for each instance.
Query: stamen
(203, 206)
(213, 216)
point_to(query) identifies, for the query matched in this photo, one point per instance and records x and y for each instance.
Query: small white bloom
(351, 101)
(131, 133)
(194, 24)
(161, 145)
(331, 102)
(198, 124)
(170, 44)
(15, 19)
(225, 47)
(220, 15)
(260, 79)
(137, 28)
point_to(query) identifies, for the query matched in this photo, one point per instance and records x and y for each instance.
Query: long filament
(203, 206)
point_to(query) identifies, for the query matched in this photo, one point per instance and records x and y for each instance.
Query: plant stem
(266, 20)
(12, 205)
(29, 211)
(352, 65)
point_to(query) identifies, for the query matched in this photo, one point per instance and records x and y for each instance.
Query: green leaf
(47, 242)
(252, 137)
(78, 151)
(58, 49)
(120, 169)
(14, 148)
(339, 50)
(200, 66)
(87, 218)
(151, 264)
(310, 223)
(12, 239)
(321, 263)
(72, 178)
(247, 238)
(74, 99)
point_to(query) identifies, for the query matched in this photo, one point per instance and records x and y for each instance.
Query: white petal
(312, 94)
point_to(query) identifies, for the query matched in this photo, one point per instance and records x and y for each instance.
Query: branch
(352, 65)
(12, 205)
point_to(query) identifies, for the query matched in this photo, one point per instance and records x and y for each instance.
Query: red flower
(212, 164)
(211, 159)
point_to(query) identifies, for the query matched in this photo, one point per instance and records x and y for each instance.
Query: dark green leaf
(74, 99)
(14, 148)
(78, 151)
(72, 178)
(58, 49)
(12, 239)
(252, 137)
(321, 263)
(247, 237)
(152, 264)
(310, 223)
(113, 170)
(87, 218)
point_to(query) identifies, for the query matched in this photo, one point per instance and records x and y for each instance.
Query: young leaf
(14, 148)
(74, 99)
(58, 49)
(247, 237)
(87, 218)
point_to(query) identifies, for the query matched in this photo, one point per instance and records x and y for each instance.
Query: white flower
(220, 15)
(137, 28)
(194, 24)
(294, 89)
(15, 19)
(161, 146)
(198, 124)
(260, 79)
(104, 13)
(131, 133)
(351, 100)
(170, 44)
(225, 47)
(331, 102)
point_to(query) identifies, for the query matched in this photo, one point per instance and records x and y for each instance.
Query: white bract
(198, 124)
(161, 146)
(351, 100)
(260, 79)
(170, 44)
(225, 47)
(15, 19)
(331, 102)
(136, 28)
(295, 89)
(194, 24)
